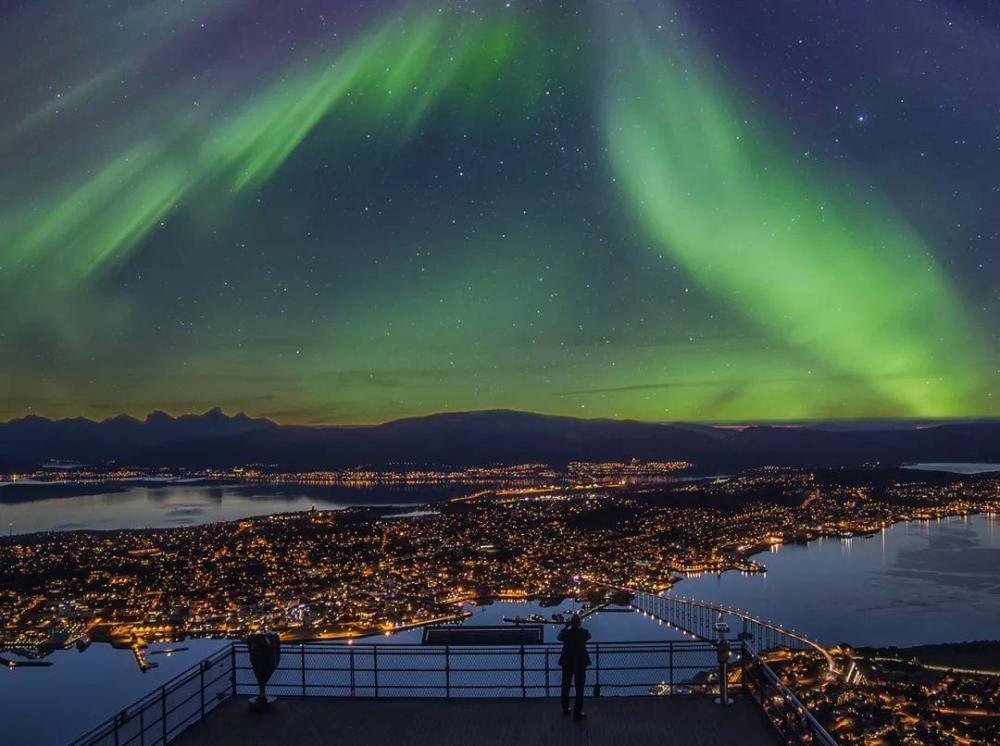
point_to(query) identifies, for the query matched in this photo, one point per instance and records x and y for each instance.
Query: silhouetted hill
(816, 446)
(443, 439)
(32, 440)
(471, 438)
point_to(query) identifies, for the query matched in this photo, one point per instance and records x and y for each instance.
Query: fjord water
(911, 584)
(175, 504)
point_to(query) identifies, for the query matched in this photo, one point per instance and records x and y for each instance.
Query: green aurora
(406, 210)
(843, 281)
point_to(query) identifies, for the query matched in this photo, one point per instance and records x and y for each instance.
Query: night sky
(327, 211)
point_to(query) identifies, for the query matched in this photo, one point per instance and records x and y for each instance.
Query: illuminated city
(537, 533)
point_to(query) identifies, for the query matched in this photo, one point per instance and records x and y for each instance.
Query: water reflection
(913, 583)
(143, 506)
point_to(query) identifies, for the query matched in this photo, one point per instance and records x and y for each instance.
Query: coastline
(980, 657)
(103, 634)
(765, 548)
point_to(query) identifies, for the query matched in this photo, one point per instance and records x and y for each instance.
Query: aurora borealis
(350, 212)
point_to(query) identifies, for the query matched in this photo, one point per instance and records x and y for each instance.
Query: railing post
(524, 691)
(375, 667)
(671, 667)
(447, 672)
(302, 649)
(743, 666)
(116, 730)
(232, 670)
(163, 712)
(201, 687)
(351, 653)
(547, 672)
(597, 669)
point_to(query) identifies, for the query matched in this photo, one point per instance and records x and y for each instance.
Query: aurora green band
(395, 73)
(351, 212)
(840, 278)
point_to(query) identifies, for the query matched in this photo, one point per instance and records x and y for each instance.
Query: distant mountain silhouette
(214, 439)
(31, 440)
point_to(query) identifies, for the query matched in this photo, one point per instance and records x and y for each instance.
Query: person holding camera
(574, 661)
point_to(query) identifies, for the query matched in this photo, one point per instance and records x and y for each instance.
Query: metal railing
(374, 671)
(413, 670)
(792, 718)
(166, 711)
(336, 669)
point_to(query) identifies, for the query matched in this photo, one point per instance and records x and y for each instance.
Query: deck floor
(632, 721)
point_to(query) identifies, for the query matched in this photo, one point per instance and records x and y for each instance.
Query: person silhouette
(574, 661)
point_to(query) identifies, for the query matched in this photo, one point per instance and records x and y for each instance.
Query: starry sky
(342, 212)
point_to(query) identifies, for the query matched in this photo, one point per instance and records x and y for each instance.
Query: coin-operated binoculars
(265, 653)
(722, 652)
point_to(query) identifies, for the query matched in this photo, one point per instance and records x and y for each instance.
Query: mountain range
(214, 439)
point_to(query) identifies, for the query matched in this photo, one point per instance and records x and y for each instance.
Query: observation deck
(661, 691)
(664, 721)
